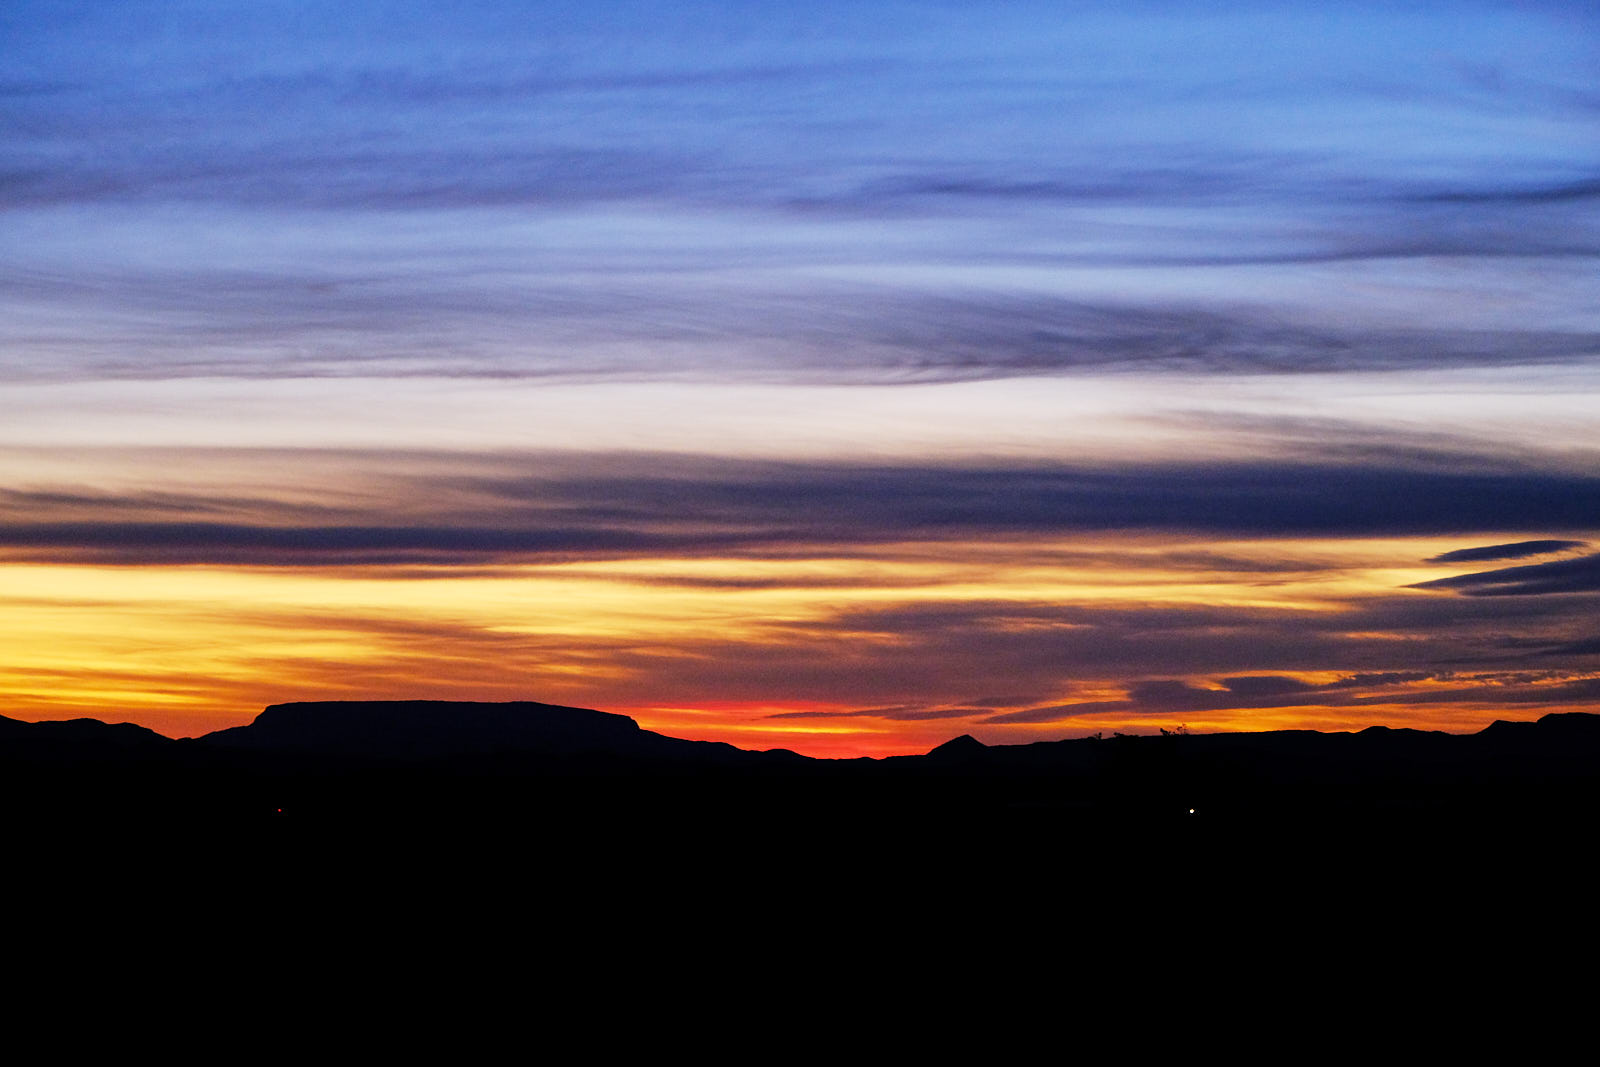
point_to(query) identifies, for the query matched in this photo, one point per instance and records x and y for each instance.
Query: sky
(841, 377)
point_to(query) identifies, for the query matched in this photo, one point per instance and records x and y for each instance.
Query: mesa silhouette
(456, 760)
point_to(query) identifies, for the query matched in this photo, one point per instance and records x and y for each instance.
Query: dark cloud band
(666, 506)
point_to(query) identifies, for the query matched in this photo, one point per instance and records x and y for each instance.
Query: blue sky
(875, 192)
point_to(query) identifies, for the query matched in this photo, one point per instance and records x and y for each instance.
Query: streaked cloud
(662, 505)
(853, 195)
(1172, 697)
(1519, 550)
(1581, 575)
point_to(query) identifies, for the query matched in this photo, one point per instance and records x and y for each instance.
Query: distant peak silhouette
(963, 749)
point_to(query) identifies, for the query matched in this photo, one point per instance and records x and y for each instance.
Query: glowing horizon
(816, 654)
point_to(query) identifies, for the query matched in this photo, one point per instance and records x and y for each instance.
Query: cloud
(553, 192)
(1589, 646)
(1581, 575)
(895, 714)
(1562, 192)
(650, 298)
(481, 510)
(1267, 685)
(1517, 550)
(1172, 697)
(1514, 690)
(281, 103)
(225, 543)
(1056, 712)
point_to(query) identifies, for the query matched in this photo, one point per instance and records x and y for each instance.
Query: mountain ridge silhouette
(457, 758)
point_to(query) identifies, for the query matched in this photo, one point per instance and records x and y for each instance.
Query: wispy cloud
(882, 194)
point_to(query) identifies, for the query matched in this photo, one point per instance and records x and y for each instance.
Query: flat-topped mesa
(430, 728)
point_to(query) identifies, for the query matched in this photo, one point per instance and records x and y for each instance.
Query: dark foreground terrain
(359, 844)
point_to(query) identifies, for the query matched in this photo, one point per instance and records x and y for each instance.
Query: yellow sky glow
(191, 649)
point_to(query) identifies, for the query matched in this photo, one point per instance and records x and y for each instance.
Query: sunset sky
(841, 377)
